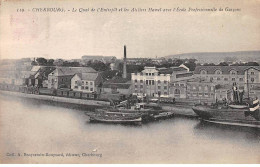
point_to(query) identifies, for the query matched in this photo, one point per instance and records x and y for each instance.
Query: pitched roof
(171, 70)
(63, 71)
(125, 85)
(88, 76)
(225, 69)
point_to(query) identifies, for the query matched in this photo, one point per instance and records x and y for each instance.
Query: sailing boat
(240, 112)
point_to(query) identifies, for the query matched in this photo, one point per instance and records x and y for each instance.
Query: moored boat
(240, 112)
(114, 117)
(164, 115)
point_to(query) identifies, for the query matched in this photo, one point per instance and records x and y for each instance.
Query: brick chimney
(124, 68)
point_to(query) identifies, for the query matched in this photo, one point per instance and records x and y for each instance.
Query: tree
(252, 64)
(41, 61)
(50, 62)
(223, 64)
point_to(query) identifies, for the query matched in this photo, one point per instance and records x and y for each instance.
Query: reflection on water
(37, 127)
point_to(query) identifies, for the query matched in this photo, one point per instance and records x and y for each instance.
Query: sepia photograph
(129, 82)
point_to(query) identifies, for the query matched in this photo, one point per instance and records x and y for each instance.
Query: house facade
(61, 76)
(86, 82)
(229, 74)
(157, 82)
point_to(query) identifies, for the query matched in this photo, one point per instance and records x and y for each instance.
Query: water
(33, 127)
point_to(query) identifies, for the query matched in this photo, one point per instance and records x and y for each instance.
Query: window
(206, 88)
(203, 72)
(165, 87)
(165, 93)
(152, 74)
(159, 81)
(252, 73)
(152, 82)
(252, 79)
(141, 86)
(225, 79)
(82, 82)
(146, 82)
(233, 72)
(177, 91)
(76, 82)
(141, 81)
(181, 84)
(159, 87)
(218, 72)
(86, 87)
(241, 79)
(233, 79)
(165, 82)
(146, 73)
(136, 80)
(218, 78)
(91, 89)
(91, 83)
(82, 87)
(76, 87)
(135, 86)
(176, 84)
(86, 82)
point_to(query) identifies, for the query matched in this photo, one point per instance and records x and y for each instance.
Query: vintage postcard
(129, 82)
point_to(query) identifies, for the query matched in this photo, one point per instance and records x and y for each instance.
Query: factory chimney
(124, 68)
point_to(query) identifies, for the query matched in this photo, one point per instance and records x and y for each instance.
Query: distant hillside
(217, 57)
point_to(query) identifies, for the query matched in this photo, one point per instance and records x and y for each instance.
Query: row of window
(165, 93)
(219, 72)
(149, 74)
(159, 87)
(83, 88)
(84, 82)
(200, 94)
(175, 84)
(141, 81)
(206, 88)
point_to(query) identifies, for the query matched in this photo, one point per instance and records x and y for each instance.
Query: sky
(70, 35)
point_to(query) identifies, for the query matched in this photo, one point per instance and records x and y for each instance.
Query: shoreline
(183, 110)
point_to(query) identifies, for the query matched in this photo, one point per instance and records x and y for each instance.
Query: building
(156, 82)
(200, 89)
(215, 82)
(117, 85)
(20, 75)
(61, 76)
(229, 74)
(86, 82)
(92, 58)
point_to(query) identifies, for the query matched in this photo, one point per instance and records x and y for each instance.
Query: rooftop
(63, 71)
(225, 69)
(88, 76)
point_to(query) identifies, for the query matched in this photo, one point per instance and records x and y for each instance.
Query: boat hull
(253, 124)
(228, 116)
(113, 121)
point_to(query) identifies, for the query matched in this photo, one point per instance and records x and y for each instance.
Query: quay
(179, 109)
(85, 102)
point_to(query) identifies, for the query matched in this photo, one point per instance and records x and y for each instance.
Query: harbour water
(37, 132)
